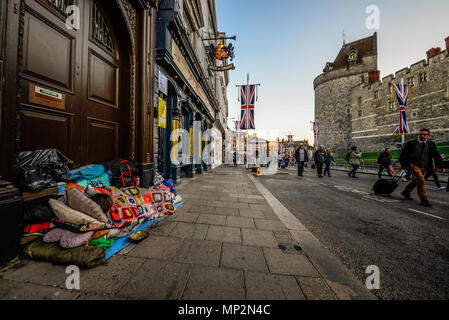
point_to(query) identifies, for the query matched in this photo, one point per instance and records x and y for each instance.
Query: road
(409, 243)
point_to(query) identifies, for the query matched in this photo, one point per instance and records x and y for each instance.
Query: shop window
(100, 30)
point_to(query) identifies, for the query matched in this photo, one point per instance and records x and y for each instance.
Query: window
(360, 113)
(360, 101)
(411, 81)
(330, 91)
(59, 5)
(348, 111)
(392, 104)
(324, 114)
(376, 94)
(422, 77)
(414, 114)
(100, 30)
(337, 140)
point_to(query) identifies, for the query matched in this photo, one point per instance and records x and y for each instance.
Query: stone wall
(374, 121)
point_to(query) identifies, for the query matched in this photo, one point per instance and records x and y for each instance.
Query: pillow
(67, 214)
(66, 238)
(77, 200)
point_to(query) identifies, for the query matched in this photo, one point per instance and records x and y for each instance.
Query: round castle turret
(333, 89)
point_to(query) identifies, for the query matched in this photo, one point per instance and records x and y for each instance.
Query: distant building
(355, 108)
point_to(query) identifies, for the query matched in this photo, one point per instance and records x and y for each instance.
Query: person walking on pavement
(430, 172)
(416, 156)
(327, 161)
(301, 157)
(384, 162)
(319, 157)
(354, 161)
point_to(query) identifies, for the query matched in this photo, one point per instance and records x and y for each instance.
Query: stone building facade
(362, 112)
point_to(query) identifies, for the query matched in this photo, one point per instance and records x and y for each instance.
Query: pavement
(230, 240)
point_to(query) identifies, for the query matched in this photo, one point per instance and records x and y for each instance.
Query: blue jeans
(381, 169)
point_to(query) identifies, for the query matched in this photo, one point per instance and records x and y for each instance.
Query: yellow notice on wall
(162, 113)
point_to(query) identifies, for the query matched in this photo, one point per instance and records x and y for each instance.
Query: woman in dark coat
(327, 162)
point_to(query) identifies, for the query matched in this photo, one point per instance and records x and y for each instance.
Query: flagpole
(403, 135)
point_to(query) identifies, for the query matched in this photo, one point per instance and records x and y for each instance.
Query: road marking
(380, 199)
(427, 214)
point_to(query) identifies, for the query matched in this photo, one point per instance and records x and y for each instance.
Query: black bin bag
(42, 169)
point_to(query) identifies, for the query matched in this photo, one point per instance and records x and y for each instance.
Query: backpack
(348, 157)
(124, 174)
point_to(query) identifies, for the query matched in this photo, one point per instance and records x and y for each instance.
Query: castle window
(360, 113)
(330, 91)
(422, 77)
(414, 114)
(376, 94)
(324, 114)
(348, 111)
(360, 101)
(337, 140)
(411, 81)
(392, 105)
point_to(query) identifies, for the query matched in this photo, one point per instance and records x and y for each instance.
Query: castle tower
(333, 88)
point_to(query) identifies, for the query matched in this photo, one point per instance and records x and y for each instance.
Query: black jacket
(384, 159)
(410, 154)
(320, 156)
(306, 156)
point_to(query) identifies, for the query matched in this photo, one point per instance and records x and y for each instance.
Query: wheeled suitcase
(386, 187)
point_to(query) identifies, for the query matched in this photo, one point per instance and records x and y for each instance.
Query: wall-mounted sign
(221, 53)
(225, 68)
(163, 83)
(46, 97)
(162, 113)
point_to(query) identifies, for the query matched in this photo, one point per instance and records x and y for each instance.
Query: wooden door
(104, 85)
(83, 66)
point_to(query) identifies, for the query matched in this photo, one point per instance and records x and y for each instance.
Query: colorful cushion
(65, 213)
(79, 201)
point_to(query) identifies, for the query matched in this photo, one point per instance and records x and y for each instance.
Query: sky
(285, 44)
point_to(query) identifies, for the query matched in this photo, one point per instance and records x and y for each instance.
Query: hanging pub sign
(221, 53)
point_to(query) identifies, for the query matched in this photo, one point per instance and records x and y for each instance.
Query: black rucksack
(124, 174)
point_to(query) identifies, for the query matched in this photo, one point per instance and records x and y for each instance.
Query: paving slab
(107, 279)
(265, 286)
(269, 225)
(185, 217)
(227, 211)
(243, 258)
(315, 288)
(156, 247)
(240, 222)
(15, 290)
(199, 252)
(206, 283)
(163, 228)
(224, 234)
(43, 273)
(157, 280)
(259, 238)
(251, 213)
(190, 230)
(238, 205)
(212, 219)
(289, 264)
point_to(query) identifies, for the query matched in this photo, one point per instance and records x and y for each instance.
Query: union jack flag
(248, 95)
(316, 128)
(402, 92)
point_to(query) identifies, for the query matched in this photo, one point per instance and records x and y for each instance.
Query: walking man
(301, 158)
(384, 162)
(319, 157)
(416, 156)
(354, 161)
